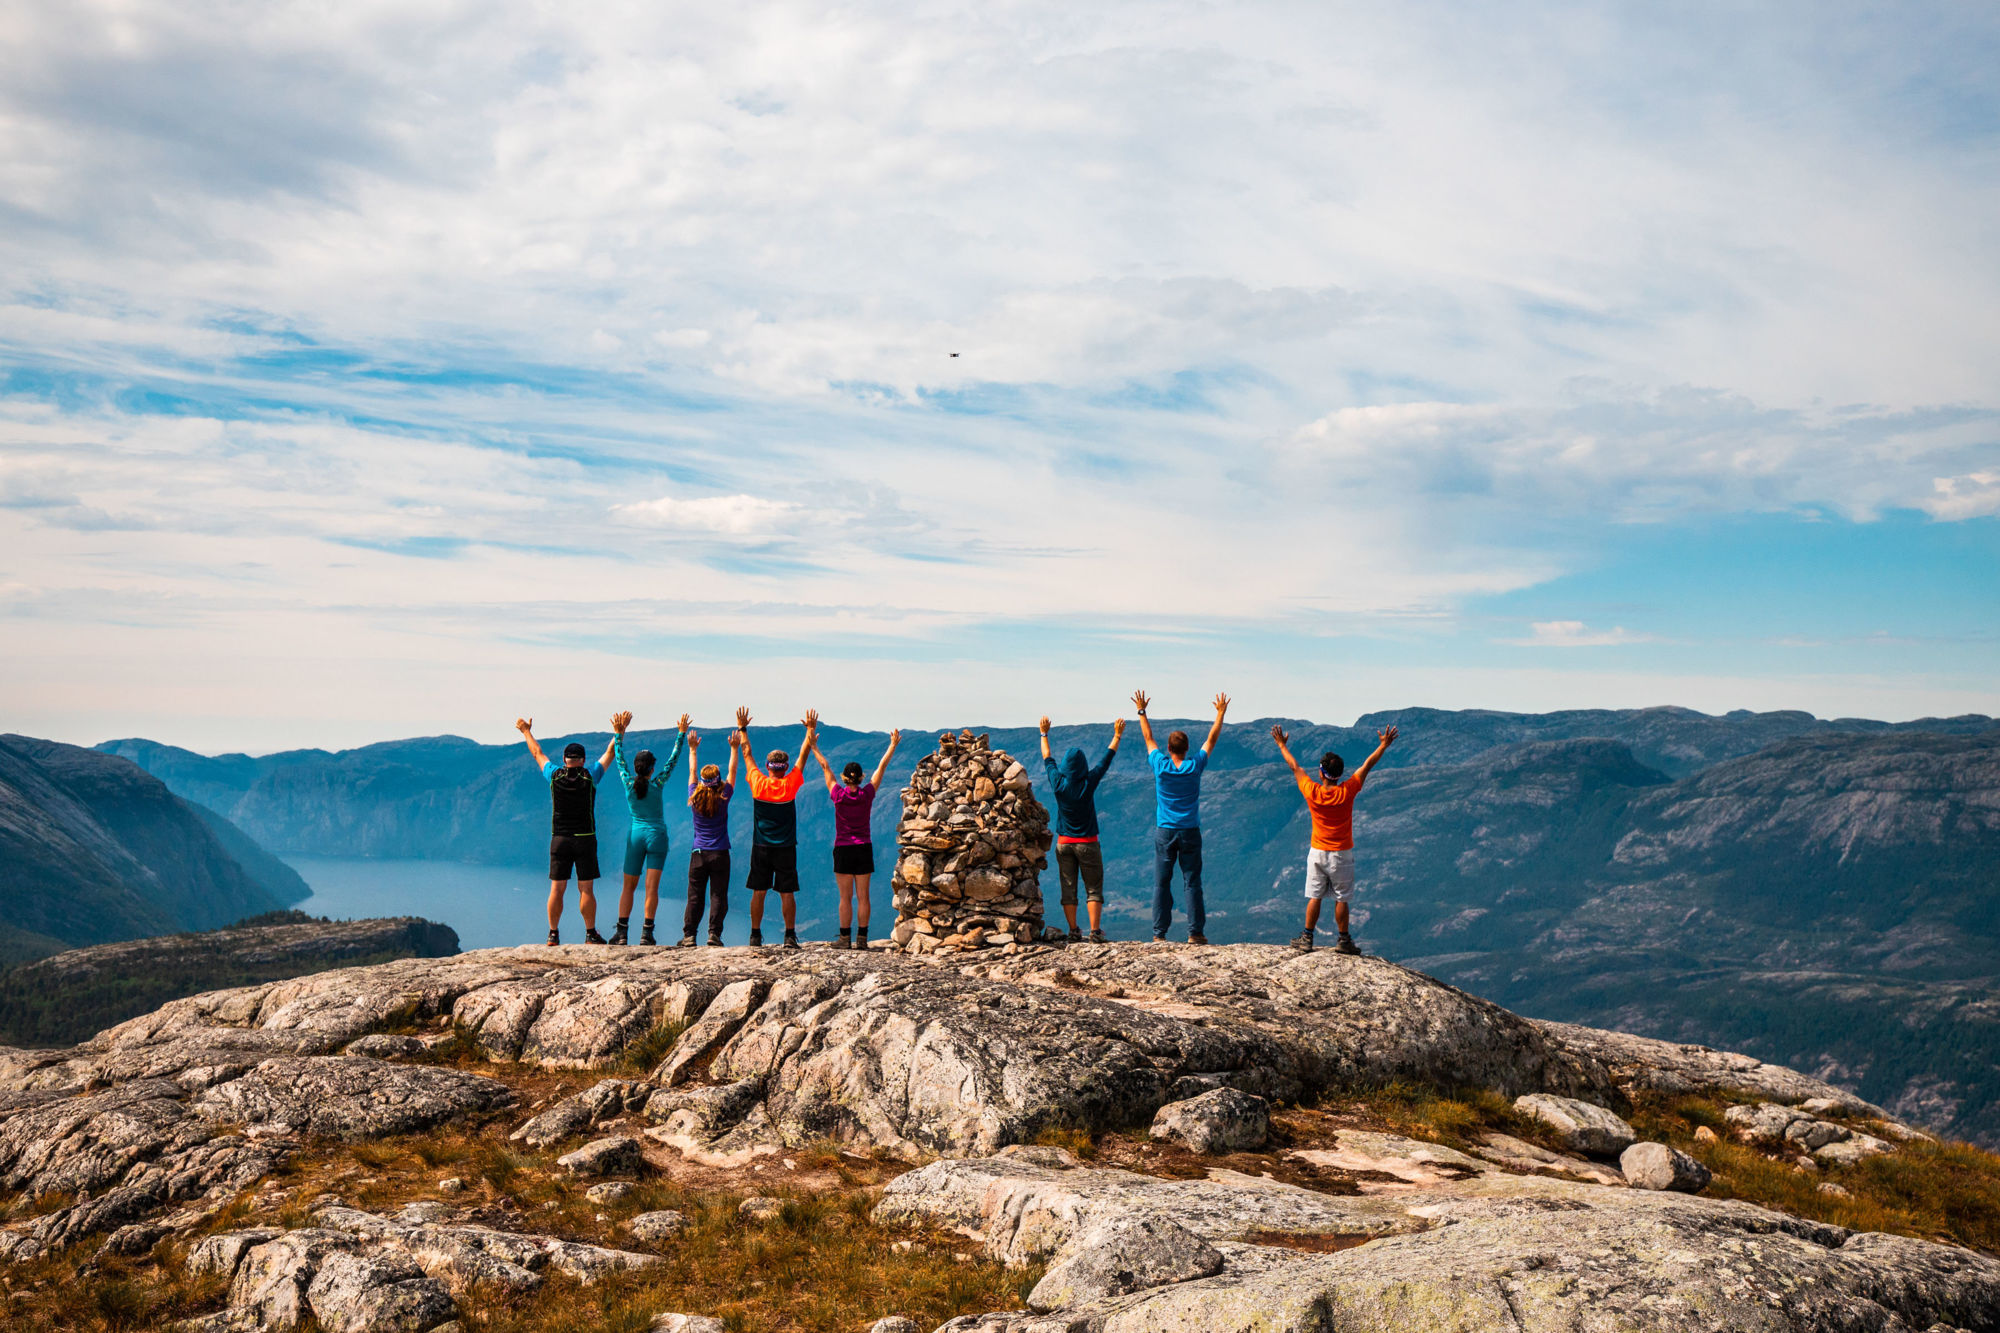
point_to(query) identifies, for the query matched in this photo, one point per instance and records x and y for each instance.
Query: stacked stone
(972, 844)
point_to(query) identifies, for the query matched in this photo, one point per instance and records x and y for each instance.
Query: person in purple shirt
(708, 863)
(853, 844)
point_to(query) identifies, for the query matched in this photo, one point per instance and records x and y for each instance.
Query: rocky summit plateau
(1149, 1137)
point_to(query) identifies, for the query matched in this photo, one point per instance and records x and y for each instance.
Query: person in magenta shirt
(853, 843)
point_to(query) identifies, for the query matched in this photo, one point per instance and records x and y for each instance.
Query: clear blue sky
(390, 369)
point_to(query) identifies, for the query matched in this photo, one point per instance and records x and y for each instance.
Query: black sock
(624, 921)
(649, 923)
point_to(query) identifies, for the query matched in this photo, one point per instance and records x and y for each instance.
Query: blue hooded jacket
(1074, 786)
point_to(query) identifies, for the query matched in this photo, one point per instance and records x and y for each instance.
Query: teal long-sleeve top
(650, 808)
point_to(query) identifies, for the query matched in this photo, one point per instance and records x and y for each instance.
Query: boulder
(617, 1155)
(611, 1191)
(1851, 1150)
(1581, 1126)
(1121, 1254)
(1655, 1166)
(350, 1097)
(895, 1323)
(376, 1294)
(1222, 1121)
(760, 1208)
(656, 1227)
(685, 1323)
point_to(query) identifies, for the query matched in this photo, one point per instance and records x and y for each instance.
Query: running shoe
(618, 936)
(1075, 935)
(1097, 937)
(714, 941)
(554, 938)
(688, 942)
(590, 936)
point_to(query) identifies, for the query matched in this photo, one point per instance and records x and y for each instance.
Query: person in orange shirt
(1330, 863)
(774, 841)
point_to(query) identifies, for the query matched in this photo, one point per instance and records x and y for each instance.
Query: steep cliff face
(93, 848)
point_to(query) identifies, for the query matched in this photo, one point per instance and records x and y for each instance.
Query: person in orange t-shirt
(1330, 862)
(774, 839)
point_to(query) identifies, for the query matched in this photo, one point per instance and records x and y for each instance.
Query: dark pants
(708, 876)
(1170, 845)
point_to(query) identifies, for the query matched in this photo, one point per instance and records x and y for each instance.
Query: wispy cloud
(734, 515)
(1576, 634)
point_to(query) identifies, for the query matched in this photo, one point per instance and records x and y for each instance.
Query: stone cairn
(971, 847)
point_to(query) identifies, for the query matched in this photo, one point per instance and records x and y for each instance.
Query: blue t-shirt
(1177, 789)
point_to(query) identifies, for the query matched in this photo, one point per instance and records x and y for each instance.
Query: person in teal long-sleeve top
(646, 843)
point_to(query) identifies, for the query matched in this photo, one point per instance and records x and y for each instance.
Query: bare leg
(846, 885)
(1096, 911)
(788, 904)
(556, 887)
(652, 896)
(757, 909)
(1069, 910)
(861, 900)
(586, 902)
(1340, 916)
(1312, 913)
(631, 883)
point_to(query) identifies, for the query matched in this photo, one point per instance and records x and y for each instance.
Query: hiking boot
(1304, 942)
(618, 936)
(861, 937)
(555, 938)
(1075, 935)
(1197, 939)
(688, 942)
(844, 940)
(756, 939)
(590, 936)
(646, 937)
(714, 941)
(1097, 937)
(1346, 944)
(791, 939)
(1159, 939)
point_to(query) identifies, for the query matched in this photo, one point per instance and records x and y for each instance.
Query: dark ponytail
(642, 771)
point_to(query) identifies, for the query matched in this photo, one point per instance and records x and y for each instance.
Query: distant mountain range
(94, 849)
(1825, 894)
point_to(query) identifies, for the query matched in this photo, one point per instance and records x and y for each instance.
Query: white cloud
(1575, 634)
(735, 515)
(1974, 496)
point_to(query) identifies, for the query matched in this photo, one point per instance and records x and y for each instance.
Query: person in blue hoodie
(1077, 851)
(646, 840)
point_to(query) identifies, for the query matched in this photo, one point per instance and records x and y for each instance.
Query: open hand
(694, 740)
(1221, 704)
(895, 738)
(1044, 726)
(742, 719)
(811, 719)
(1279, 734)
(620, 721)
(1387, 736)
(1139, 701)
(524, 725)
(683, 724)
(1117, 729)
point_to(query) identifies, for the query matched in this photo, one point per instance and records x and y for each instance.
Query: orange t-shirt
(764, 787)
(1332, 807)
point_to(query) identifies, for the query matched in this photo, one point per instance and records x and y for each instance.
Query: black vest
(575, 799)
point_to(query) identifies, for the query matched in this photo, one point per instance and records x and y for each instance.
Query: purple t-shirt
(851, 808)
(711, 832)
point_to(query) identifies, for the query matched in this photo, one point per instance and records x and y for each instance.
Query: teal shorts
(645, 848)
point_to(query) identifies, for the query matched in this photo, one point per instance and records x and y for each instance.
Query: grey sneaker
(1075, 935)
(687, 942)
(1097, 937)
(1346, 945)
(1304, 942)
(592, 937)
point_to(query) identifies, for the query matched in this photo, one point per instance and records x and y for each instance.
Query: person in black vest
(572, 828)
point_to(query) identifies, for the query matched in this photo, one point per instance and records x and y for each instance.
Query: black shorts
(854, 858)
(773, 868)
(569, 852)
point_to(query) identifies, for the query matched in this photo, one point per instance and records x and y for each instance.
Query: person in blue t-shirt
(572, 828)
(1177, 799)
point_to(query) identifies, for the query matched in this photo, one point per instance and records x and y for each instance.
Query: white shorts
(1330, 871)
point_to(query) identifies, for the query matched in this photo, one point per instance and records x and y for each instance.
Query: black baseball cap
(574, 751)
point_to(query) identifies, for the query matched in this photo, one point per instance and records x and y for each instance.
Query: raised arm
(1045, 740)
(882, 769)
(1139, 701)
(743, 731)
(619, 721)
(680, 743)
(1215, 728)
(694, 760)
(824, 767)
(1387, 738)
(810, 746)
(526, 726)
(604, 760)
(1110, 751)
(1285, 749)
(739, 745)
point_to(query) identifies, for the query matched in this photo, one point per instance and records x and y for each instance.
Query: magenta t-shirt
(851, 808)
